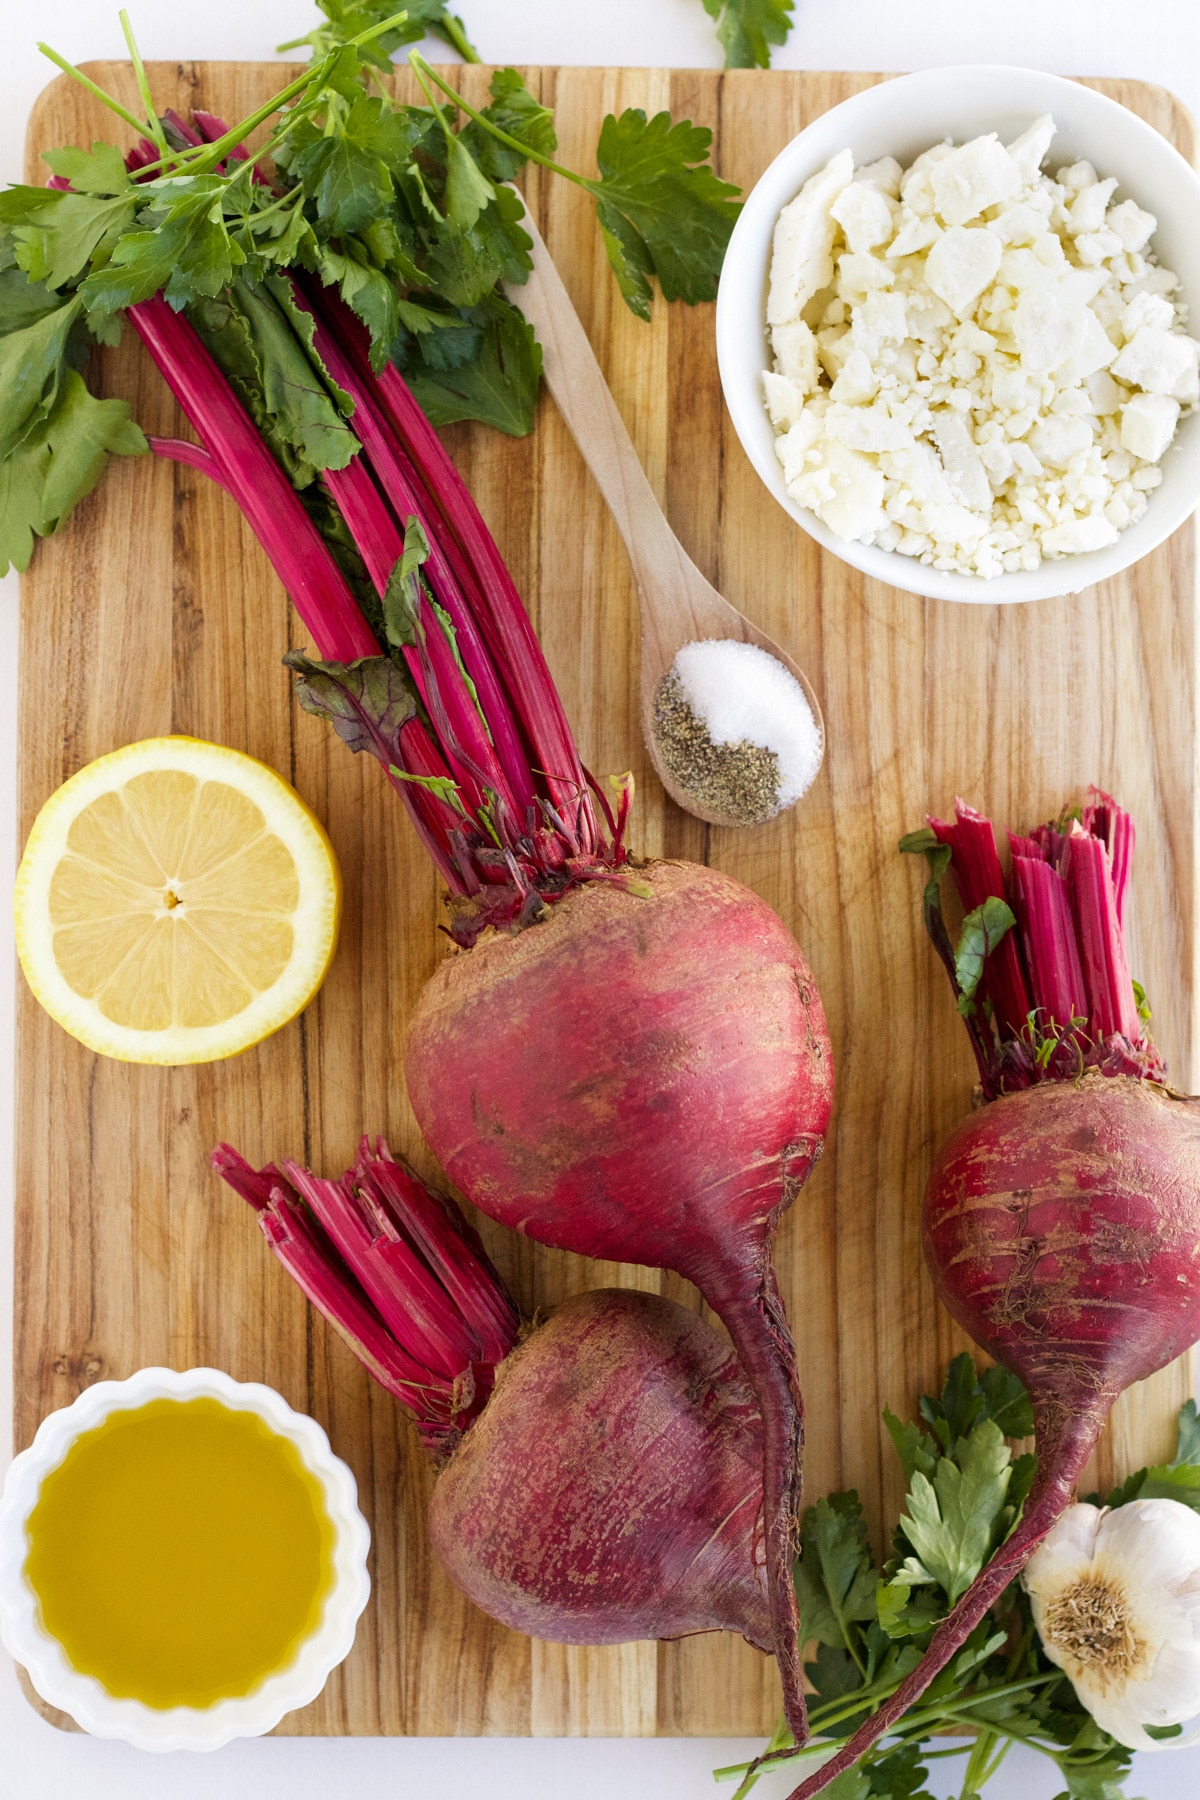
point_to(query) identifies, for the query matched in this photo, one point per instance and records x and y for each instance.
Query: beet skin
(612, 1486)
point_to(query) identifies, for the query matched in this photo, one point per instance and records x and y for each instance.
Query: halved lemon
(176, 903)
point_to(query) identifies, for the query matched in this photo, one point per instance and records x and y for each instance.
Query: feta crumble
(976, 364)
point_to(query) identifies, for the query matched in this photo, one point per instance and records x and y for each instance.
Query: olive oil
(180, 1553)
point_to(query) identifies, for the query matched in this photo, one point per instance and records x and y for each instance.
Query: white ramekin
(180, 1727)
(901, 118)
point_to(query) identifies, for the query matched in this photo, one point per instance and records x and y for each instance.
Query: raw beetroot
(599, 1481)
(648, 1078)
(1062, 1219)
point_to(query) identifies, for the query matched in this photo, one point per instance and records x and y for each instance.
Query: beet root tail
(763, 1341)
(1064, 1446)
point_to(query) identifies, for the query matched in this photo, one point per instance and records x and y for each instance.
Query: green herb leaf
(1096, 1780)
(661, 207)
(1187, 1448)
(468, 190)
(982, 930)
(747, 29)
(32, 363)
(57, 463)
(898, 1775)
(500, 388)
(915, 1448)
(182, 249)
(851, 1784)
(835, 1577)
(346, 170)
(100, 170)
(908, 1607)
(346, 19)
(514, 110)
(23, 302)
(1006, 1401)
(59, 234)
(951, 1520)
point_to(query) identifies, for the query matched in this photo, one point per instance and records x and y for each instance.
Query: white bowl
(901, 118)
(180, 1727)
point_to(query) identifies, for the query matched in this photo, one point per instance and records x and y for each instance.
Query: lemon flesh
(176, 902)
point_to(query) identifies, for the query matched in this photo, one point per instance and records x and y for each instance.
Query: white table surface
(1155, 40)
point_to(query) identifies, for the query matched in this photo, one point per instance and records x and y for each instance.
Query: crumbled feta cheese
(864, 215)
(1148, 424)
(1028, 150)
(785, 400)
(972, 178)
(1157, 360)
(995, 363)
(1133, 226)
(961, 264)
(802, 256)
(795, 350)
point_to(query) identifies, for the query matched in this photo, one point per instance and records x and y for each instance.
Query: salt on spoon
(735, 730)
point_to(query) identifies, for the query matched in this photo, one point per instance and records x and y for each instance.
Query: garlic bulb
(1116, 1602)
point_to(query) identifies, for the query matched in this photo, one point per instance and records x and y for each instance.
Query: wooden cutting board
(155, 611)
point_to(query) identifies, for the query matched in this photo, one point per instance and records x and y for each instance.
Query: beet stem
(1065, 1441)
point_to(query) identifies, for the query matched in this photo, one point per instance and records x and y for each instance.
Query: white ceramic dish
(901, 118)
(180, 1727)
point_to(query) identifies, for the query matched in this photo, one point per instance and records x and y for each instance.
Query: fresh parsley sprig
(662, 209)
(747, 29)
(870, 1625)
(346, 19)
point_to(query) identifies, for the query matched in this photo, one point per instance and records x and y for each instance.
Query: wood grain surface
(155, 611)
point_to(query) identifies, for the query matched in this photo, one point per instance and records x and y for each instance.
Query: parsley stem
(154, 123)
(451, 29)
(419, 66)
(92, 88)
(201, 160)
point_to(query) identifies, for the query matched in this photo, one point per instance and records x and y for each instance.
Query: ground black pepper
(740, 781)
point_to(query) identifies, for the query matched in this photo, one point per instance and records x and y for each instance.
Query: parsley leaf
(951, 1520)
(746, 29)
(835, 1577)
(346, 168)
(499, 387)
(32, 365)
(661, 207)
(515, 111)
(345, 19)
(57, 462)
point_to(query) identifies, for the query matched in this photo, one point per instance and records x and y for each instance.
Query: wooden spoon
(678, 606)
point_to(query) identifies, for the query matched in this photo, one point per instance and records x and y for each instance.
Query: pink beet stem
(457, 1256)
(1065, 1438)
(397, 484)
(397, 1271)
(302, 1253)
(1047, 929)
(1101, 944)
(979, 876)
(490, 593)
(406, 1295)
(317, 587)
(180, 451)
